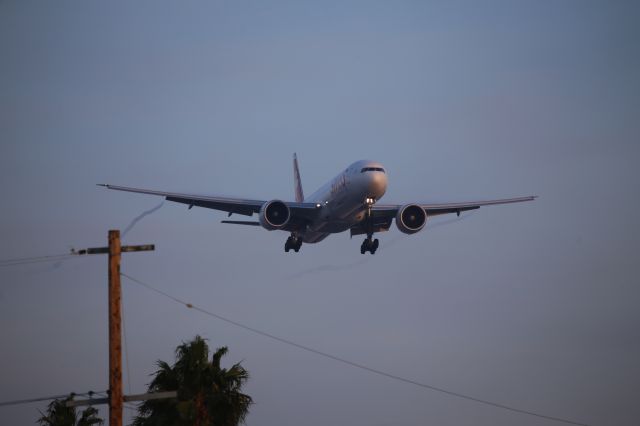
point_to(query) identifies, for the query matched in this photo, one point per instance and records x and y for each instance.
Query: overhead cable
(36, 259)
(351, 363)
(45, 398)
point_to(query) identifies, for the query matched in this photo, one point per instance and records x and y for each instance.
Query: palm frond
(207, 393)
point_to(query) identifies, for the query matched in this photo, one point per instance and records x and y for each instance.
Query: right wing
(300, 212)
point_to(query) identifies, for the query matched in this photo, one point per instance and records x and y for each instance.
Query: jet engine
(274, 215)
(411, 218)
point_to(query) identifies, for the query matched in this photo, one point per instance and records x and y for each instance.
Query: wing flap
(224, 205)
(241, 222)
(478, 203)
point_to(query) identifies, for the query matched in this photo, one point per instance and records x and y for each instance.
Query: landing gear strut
(369, 244)
(293, 243)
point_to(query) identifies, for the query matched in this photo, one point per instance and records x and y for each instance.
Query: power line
(36, 259)
(45, 398)
(351, 363)
(28, 401)
(20, 259)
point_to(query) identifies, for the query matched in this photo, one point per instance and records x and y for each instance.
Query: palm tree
(207, 393)
(58, 414)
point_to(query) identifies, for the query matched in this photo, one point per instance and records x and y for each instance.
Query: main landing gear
(293, 243)
(369, 245)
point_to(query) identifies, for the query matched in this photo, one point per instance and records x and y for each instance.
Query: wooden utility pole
(115, 320)
(115, 331)
(116, 398)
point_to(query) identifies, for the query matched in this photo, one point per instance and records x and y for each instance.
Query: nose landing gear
(293, 243)
(369, 245)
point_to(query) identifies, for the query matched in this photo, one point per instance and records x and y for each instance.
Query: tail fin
(296, 180)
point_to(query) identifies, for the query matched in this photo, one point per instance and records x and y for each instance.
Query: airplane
(348, 202)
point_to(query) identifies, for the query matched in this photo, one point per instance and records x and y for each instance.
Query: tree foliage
(207, 393)
(58, 414)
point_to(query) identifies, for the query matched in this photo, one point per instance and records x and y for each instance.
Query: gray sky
(533, 306)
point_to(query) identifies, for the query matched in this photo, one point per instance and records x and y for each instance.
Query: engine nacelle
(411, 218)
(274, 215)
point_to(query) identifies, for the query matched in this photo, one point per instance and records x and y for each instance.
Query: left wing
(444, 208)
(383, 214)
(300, 211)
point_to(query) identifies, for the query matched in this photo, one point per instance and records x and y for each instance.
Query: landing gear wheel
(374, 246)
(369, 245)
(293, 243)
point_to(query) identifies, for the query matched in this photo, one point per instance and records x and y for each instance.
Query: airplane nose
(377, 184)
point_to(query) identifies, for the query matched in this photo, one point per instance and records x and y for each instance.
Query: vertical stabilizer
(296, 180)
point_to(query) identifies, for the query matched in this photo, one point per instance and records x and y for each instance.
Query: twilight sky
(534, 306)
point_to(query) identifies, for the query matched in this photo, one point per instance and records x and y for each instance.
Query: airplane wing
(445, 208)
(301, 212)
(383, 214)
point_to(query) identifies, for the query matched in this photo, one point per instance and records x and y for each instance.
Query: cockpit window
(372, 169)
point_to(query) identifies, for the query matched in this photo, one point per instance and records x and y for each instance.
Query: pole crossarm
(126, 398)
(90, 401)
(152, 395)
(144, 247)
(105, 250)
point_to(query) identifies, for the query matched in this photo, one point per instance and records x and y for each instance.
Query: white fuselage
(343, 199)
